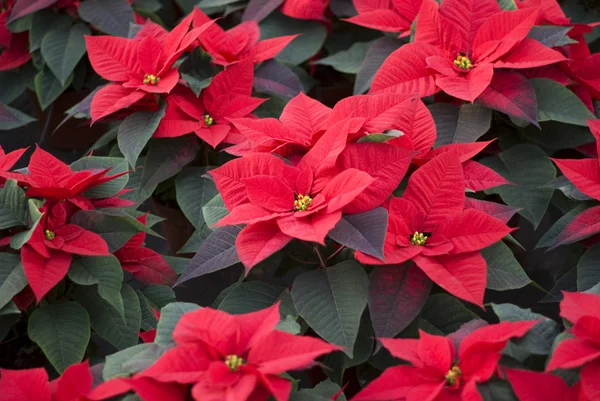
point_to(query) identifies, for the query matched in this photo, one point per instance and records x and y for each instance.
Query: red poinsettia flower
(306, 9)
(238, 43)
(145, 264)
(457, 48)
(47, 255)
(585, 175)
(387, 15)
(304, 120)
(235, 357)
(439, 371)
(227, 96)
(430, 225)
(583, 68)
(14, 47)
(8, 160)
(279, 202)
(32, 384)
(583, 311)
(53, 180)
(138, 66)
(536, 386)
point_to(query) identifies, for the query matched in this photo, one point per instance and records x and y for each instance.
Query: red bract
(138, 66)
(279, 202)
(585, 175)
(53, 180)
(430, 225)
(47, 255)
(583, 311)
(438, 371)
(14, 47)
(32, 384)
(235, 357)
(8, 160)
(535, 386)
(550, 12)
(227, 96)
(387, 15)
(305, 9)
(584, 70)
(146, 265)
(239, 43)
(458, 47)
(303, 121)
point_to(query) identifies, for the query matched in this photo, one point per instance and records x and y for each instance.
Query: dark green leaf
(380, 49)
(347, 61)
(18, 240)
(504, 271)
(214, 210)
(169, 316)
(588, 269)
(193, 193)
(364, 232)
(49, 88)
(63, 48)
(460, 124)
(12, 118)
(13, 206)
(9, 315)
(135, 131)
(158, 295)
(558, 103)
(109, 16)
(117, 165)
(277, 79)
(43, 22)
(12, 277)
(445, 314)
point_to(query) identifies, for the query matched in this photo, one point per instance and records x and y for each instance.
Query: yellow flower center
(208, 120)
(302, 202)
(463, 62)
(418, 239)
(453, 376)
(49, 235)
(233, 362)
(151, 79)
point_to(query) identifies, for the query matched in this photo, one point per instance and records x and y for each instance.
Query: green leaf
(135, 131)
(18, 240)
(558, 103)
(194, 192)
(63, 48)
(507, 4)
(9, 315)
(531, 170)
(311, 39)
(198, 70)
(537, 341)
(252, 296)
(169, 316)
(552, 135)
(115, 229)
(48, 88)
(588, 269)
(12, 118)
(445, 314)
(195, 242)
(62, 331)
(177, 264)
(106, 272)
(550, 236)
(504, 271)
(117, 165)
(460, 124)
(347, 61)
(12, 277)
(332, 302)
(115, 364)
(159, 295)
(165, 158)
(109, 16)
(380, 49)
(214, 210)
(149, 321)
(120, 332)
(43, 22)
(13, 84)
(13, 206)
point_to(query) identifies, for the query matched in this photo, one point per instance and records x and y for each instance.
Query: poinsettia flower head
(14, 47)
(53, 180)
(459, 46)
(235, 357)
(440, 370)
(306, 9)
(431, 226)
(536, 386)
(583, 350)
(388, 15)
(238, 43)
(137, 66)
(583, 69)
(279, 202)
(47, 255)
(143, 263)
(227, 97)
(32, 384)
(8, 160)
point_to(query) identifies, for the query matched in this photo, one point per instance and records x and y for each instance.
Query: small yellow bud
(302, 202)
(418, 239)
(49, 235)
(233, 362)
(453, 376)
(208, 120)
(151, 79)
(463, 62)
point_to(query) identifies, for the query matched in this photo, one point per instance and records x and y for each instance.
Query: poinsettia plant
(299, 200)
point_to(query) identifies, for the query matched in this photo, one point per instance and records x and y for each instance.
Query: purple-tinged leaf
(109, 16)
(465, 330)
(277, 79)
(460, 124)
(216, 253)
(397, 293)
(343, 8)
(81, 109)
(376, 55)
(497, 210)
(551, 236)
(551, 36)
(22, 8)
(257, 10)
(12, 118)
(583, 226)
(363, 232)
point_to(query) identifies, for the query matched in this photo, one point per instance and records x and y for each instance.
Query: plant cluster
(391, 200)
